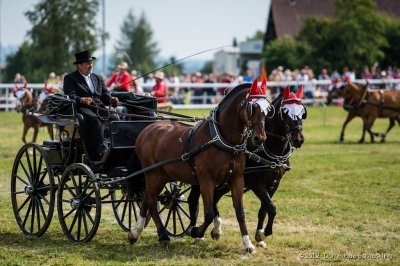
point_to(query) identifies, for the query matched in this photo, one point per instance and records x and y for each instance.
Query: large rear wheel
(32, 190)
(79, 203)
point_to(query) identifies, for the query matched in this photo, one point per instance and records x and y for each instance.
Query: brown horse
(217, 147)
(28, 105)
(338, 92)
(373, 104)
(265, 165)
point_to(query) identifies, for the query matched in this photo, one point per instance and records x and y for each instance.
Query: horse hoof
(215, 235)
(132, 239)
(261, 244)
(250, 250)
(260, 236)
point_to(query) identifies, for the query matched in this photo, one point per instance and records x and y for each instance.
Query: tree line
(356, 37)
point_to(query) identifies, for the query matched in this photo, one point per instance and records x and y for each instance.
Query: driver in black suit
(87, 88)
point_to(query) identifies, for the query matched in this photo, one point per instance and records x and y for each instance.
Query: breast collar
(220, 142)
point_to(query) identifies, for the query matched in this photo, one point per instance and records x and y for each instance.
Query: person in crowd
(88, 89)
(197, 92)
(160, 89)
(324, 76)
(211, 92)
(121, 80)
(20, 84)
(136, 88)
(174, 92)
(50, 87)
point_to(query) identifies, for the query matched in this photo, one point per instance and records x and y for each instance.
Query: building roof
(287, 16)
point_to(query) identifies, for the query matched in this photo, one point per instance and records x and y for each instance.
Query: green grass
(339, 203)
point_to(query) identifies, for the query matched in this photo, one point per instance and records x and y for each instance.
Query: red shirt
(160, 91)
(122, 79)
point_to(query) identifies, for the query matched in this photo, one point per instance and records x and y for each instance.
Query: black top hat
(84, 56)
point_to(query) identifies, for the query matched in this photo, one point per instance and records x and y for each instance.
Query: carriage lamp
(64, 135)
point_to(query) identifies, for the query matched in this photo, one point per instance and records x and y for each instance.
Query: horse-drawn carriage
(64, 166)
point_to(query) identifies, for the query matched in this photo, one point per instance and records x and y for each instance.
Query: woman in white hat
(120, 81)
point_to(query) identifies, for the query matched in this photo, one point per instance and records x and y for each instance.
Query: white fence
(206, 101)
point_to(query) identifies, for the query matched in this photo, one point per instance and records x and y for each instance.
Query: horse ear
(254, 85)
(264, 86)
(286, 92)
(300, 92)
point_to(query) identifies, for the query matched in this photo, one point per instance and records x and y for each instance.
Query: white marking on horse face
(248, 246)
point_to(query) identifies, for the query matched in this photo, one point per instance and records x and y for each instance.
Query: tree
(392, 51)
(136, 44)
(19, 62)
(355, 38)
(60, 28)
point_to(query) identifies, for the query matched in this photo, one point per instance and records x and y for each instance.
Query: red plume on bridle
(257, 92)
(289, 97)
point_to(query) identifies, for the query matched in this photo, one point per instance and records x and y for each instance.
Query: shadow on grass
(106, 248)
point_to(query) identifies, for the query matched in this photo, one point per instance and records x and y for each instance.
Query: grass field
(339, 204)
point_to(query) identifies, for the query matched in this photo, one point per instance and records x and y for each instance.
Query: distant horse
(338, 92)
(265, 165)
(28, 105)
(372, 104)
(217, 148)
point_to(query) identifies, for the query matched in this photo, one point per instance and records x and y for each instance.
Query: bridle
(247, 131)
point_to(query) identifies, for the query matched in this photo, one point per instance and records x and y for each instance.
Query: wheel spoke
(180, 219)
(28, 160)
(37, 213)
(42, 209)
(27, 212)
(23, 204)
(68, 213)
(26, 172)
(33, 213)
(184, 191)
(89, 216)
(79, 225)
(168, 217)
(44, 199)
(184, 211)
(174, 219)
(44, 173)
(35, 178)
(73, 221)
(70, 190)
(23, 181)
(85, 223)
(126, 204)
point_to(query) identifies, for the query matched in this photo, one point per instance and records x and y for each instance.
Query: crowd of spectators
(175, 93)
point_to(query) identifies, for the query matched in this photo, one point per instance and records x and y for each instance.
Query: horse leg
(391, 125)
(50, 130)
(193, 201)
(236, 187)
(267, 206)
(24, 132)
(369, 123)
(207, 193)
(35, 133)
(349, 117)
(217, 230)
(135, 232)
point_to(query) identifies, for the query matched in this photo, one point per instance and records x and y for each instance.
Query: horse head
(25, 103)
(245, 112)
(292, 112)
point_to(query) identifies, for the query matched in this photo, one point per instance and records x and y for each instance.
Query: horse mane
(232, 93)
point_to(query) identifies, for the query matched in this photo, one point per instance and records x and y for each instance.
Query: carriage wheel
(79, 203)
(126, 208)
(173, 208)
(32, 190)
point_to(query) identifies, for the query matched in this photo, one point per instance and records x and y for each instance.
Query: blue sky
(180, 27)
